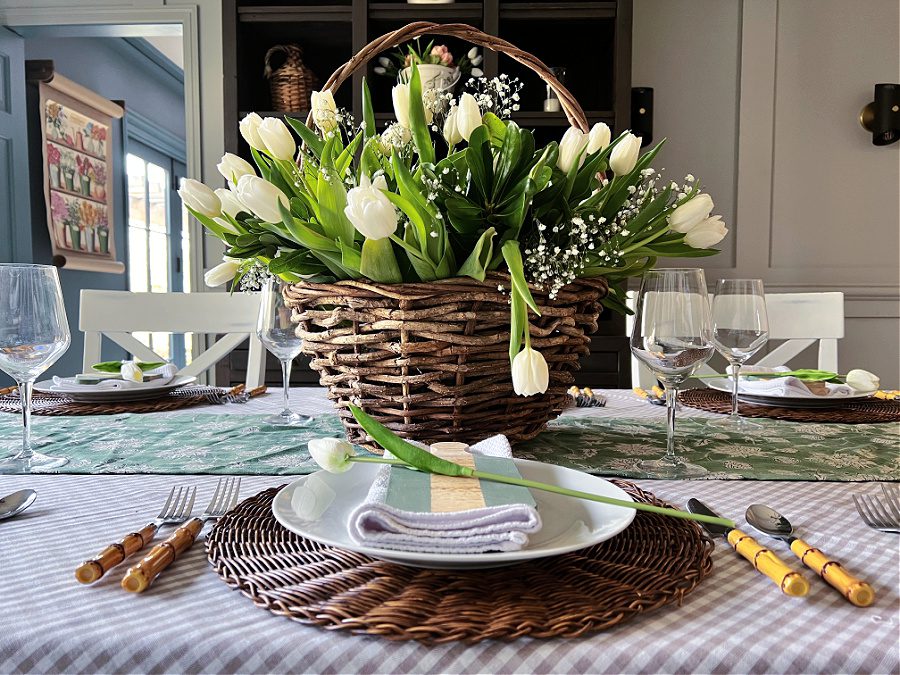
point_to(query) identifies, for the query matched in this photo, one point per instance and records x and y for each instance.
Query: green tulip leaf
(420, 133)
(378, 261)
(307, 135)
(369, 129)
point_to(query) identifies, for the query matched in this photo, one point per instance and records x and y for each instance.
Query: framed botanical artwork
(76, 135)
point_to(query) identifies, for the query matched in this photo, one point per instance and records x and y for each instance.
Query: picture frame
(78, 162)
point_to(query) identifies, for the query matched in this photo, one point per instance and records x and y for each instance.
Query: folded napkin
(68, 384)
(786, 386)
(417, 511)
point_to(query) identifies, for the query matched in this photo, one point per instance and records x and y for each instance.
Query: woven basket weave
(292, 83)
(431, 361)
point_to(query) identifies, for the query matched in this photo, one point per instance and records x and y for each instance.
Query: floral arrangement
(400, 206)
(53, 154)
(438, 55)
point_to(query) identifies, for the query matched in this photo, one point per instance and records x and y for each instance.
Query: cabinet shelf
(457, 11)
(531, 11)
(278, 14)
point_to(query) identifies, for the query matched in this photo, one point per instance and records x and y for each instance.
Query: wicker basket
(431, 361)
(292, 83)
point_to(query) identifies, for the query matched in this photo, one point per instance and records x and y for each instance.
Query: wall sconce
(642, 114)
(882, 116)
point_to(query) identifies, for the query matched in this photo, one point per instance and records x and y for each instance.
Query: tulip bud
(233, 167)
(395, 136)
(278, 140)
(472, 53)
(324, 110)
(400, 97)
(249, 128)
(707, 233)
(863, 381)
(221, 273)
(200, 198)
(261, 198)
(571, 149)
(476, 72)
(530, 374)
(468, 119)
(598, 138)
(230, 204)
(332, 454)
(625, 155)
(369, 210)
(451, 131)
(130, 372)
(384, 61)
(691, 213)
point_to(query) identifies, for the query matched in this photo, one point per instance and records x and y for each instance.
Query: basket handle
(573, 111)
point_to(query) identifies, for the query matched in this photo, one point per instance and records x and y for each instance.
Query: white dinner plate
(145, 392)
(808, 401)
(569, 524)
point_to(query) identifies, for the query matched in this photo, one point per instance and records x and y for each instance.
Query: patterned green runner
(244, 444)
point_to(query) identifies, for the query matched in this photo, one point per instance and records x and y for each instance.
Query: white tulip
(324, 110)
(379, 70)
(200, 198)
(451, 130)
(400, 97)
(384, 61)
(231, 205)
(477, 72)
(571, 148)
(249, 128)
(468, 119)
(261, 198)
(530, 374)
(395, 136)
(130, 372)
(598, 138)
(691, 213)
(625, 155)
(472, 53)
(863, 381)
(332, 454)
(478, 59)
(369, 210)
(221, 273)
(707, 233)
(233, 167)
(278, 140)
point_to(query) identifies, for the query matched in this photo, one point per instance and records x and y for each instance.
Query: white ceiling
(171, 46)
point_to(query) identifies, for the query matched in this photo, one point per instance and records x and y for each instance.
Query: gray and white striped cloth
(189, 621)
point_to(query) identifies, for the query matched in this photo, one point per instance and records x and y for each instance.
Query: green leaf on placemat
(116, 366)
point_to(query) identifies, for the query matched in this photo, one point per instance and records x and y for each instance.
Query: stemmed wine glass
(672, 335)
(34, 333)
(740, 329)
(279, 336)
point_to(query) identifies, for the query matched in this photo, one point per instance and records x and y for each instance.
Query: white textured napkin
(785, 386)
(491, 528)
(68, 384)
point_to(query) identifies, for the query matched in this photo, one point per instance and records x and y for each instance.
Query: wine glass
(279, 336)
(34, 333)
(740, 329)
(672, 335)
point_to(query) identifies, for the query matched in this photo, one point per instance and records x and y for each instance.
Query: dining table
(121, 467)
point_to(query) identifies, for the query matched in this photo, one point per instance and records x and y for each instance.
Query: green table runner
(244, 444)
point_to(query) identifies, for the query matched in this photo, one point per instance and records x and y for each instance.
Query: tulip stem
(644, 242)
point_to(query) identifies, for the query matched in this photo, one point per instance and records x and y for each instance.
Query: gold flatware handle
(791, 582)
(138, 578)
(91, 570)
(856, 591)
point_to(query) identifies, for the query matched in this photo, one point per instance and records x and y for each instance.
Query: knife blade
(791, 582)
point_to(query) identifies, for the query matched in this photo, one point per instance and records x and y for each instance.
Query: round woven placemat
(51, 404)
(656, 561)
(868, 411)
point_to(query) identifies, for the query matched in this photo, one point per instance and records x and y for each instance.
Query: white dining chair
(119, 314)
(801, 320)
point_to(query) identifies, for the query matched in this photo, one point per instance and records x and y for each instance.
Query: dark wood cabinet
(590, 38)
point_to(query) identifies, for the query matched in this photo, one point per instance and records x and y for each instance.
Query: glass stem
(25, 397)
(671, 398)
(735, 373)
(286, 385)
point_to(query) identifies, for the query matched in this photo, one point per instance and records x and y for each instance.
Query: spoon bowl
(766, 519)
(14, 504)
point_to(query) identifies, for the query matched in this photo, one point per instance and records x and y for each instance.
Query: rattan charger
(655, 562)
(431, 361)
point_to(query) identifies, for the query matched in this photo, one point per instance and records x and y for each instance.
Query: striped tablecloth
(735, 621)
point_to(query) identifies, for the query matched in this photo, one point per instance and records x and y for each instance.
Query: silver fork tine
(165, 508)
(232, 496)
(216, 495)
(892, 502)
(225, 502)
(863, 511)
(878, 507)
(188, 506)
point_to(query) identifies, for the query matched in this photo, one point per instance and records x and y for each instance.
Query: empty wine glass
(740, 329)
(279, 336)
(34, 333)
(672, 335)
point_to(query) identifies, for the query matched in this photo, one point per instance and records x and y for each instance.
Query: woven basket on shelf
(292, 83)
(431, 360)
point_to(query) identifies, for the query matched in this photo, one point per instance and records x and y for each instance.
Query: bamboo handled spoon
(768, 521)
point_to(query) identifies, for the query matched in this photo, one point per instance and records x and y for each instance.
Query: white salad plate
(134, 391)
(569, 524)
(807, 401)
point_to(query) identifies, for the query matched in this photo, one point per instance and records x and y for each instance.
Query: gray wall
(117, 71)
